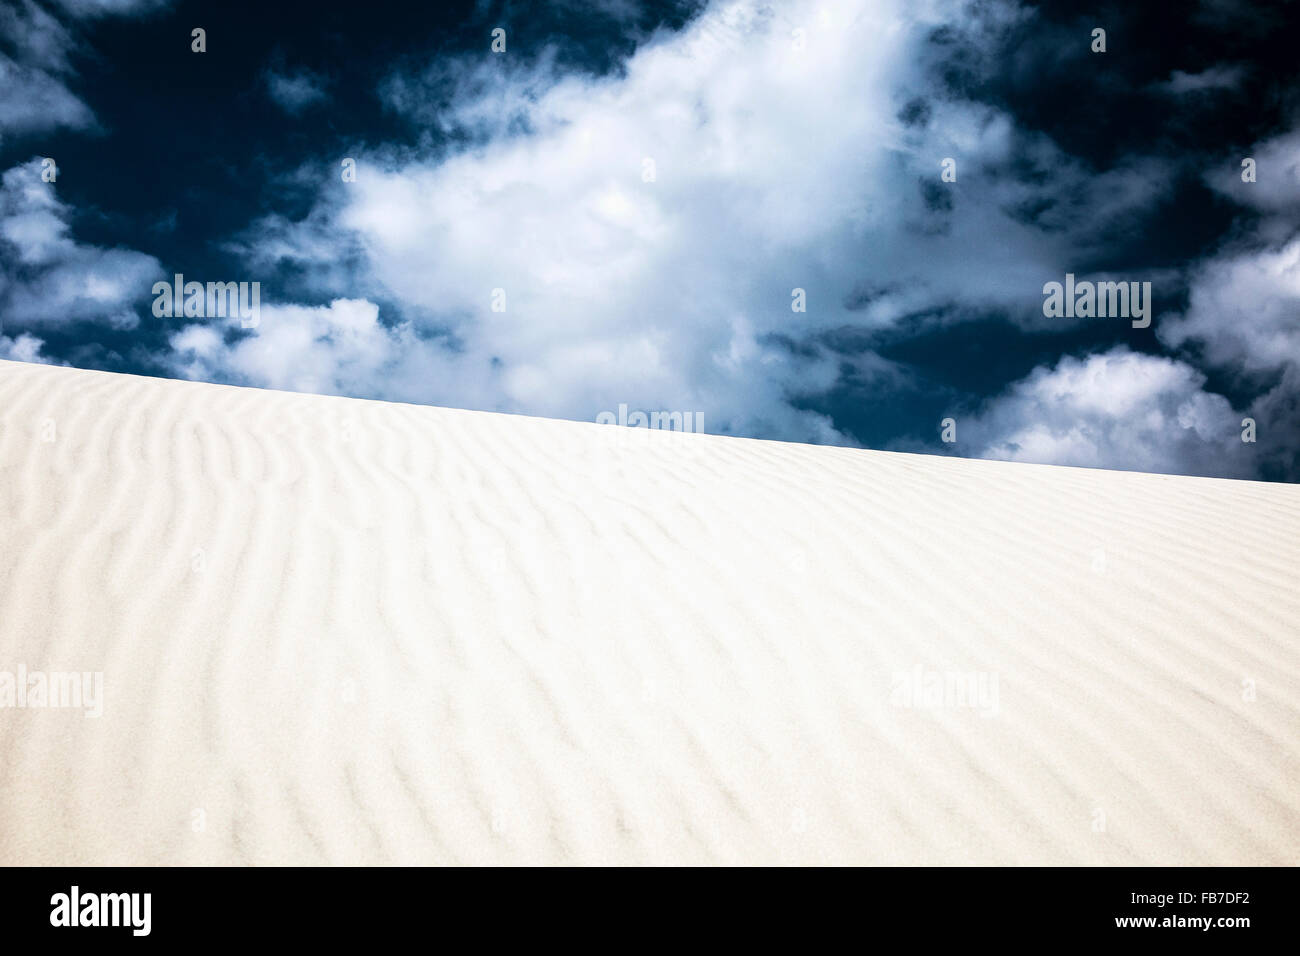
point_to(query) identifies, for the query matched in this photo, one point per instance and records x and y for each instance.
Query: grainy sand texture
(329, 631)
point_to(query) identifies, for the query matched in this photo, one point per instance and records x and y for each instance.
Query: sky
(737, 210)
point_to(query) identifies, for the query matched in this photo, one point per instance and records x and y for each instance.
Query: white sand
(335, 631)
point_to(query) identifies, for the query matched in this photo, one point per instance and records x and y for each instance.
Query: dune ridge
(337, 631)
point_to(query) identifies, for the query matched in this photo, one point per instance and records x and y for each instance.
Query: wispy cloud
(48, 278)
(35, 72)
(293, 92)
(1220, 77)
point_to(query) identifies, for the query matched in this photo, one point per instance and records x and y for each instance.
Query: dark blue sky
(795, 146)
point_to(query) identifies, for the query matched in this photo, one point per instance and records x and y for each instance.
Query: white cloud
(336, 349)
(35, 100)
(35, 79)
(798, 149)
(1244, 311)
(340, 349)
(1276, 189)
(46, 276)
(1116, 409)
(23, 348)
(779, 162)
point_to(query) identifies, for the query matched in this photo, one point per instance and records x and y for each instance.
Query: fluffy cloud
(23, 348)
(641, 233)
(1152, 413)
(648, 228)
(46, 276)
(298, 348)
(341, 348)
(1244, 311)
(1116, 409)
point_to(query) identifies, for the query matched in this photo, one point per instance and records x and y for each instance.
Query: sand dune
(336, 631)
